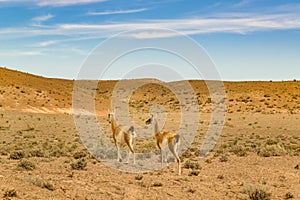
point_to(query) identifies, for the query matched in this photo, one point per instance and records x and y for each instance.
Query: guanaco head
(131, 131)
(111, 115)
(150, 120)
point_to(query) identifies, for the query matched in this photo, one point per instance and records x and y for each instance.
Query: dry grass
(26, 164)
(38, 136)
(42, 183)
(79, 164)
(10, 193)
(257, 192)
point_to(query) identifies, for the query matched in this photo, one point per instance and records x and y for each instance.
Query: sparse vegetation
(40, 182)
(26, 164)
(138, 177)
(239, 150)
(194, 173)
(224, 158)
(157, 184)
(141, 184)
(221, 177)
(10, 193)
(289, 195)
(79, 154)
(257, 192)
(79, 164)
(16, 155)
(191, 165)
(191, 190)
(271, 150)
(262, 121)
(37, 153)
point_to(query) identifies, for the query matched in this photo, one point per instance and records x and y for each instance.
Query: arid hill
(23, 91)
(43, 156)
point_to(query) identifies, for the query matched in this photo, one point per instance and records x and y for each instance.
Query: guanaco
(166, 138)
(120, 135)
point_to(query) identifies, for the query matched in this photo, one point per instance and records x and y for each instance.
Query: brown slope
(20, 90)
(28, 92)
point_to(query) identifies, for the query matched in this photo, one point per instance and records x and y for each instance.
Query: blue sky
(246, 39)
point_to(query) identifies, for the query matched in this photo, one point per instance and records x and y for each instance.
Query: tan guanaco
(120, 135)
(166, 138)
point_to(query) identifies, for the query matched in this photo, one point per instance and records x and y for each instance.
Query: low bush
(257, 192)
(79, 164)
(16, 155)
(271, 150)
(10, 193)
(38, 181)
(191, 165)
(26, 164)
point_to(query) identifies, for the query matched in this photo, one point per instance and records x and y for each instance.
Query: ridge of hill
(31, 93)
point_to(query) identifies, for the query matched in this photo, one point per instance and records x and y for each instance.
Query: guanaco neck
(113, 123)
(156, 130)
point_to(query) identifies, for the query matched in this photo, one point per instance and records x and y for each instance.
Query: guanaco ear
(149, 121)
(131, 129)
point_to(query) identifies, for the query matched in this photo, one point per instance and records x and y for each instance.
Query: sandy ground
(42, 155)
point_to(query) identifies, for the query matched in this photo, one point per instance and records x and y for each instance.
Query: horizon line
(147, 78)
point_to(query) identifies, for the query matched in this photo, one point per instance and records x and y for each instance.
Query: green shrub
(16, 155)
(157, 184)
(239, 150)
(37, 153)
(191, 190)
(43, 183)
(257, 192)
(79, 164)
(223, 158)
(271, 150)
(10, 193)
(58, 152)
(26, 164)
(138, 177)
(289, 195)
(194, 173)
(191, 165)
(79, 154)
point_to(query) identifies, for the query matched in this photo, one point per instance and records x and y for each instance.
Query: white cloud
(53, 3)
(21, 53)
(46, 43)
(227, 23)
(43, 18)
(242, 3)
(118, 12)
(65, 2)
(235, 24)
(28, 53)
